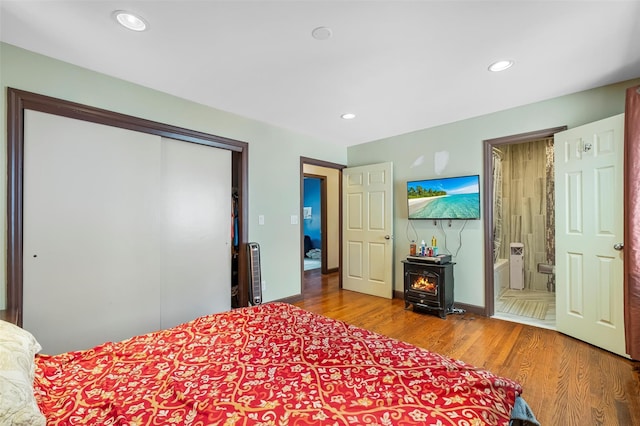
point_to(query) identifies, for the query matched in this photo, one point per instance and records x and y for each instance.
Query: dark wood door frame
(489, 144)
(329, 165)
(18, 101)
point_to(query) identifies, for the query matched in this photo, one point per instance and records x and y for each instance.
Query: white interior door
(368, 229)
(90, 232)
(589, 223)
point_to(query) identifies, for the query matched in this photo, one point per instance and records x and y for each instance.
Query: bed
(272, 364)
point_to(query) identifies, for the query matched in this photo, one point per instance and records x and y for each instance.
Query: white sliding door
(196, 271)
(123, 232)
(90, 226)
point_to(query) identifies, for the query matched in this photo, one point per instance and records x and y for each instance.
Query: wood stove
(428, 286)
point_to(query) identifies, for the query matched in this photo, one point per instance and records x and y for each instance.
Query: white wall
(279, 240)
(457, 149)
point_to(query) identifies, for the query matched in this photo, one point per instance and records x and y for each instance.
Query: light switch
(261, 219)
(294, 219)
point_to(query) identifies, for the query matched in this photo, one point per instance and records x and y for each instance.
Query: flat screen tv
(444, 198)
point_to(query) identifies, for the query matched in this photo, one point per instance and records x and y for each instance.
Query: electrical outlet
(264, 285)
(261, 219)
(294, 219)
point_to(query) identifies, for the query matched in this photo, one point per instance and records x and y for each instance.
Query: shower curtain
(497, 203)
(632, 227)
(550, 240)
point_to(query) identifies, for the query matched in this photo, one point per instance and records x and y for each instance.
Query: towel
(521, 415)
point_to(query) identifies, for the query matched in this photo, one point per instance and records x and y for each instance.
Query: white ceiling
(399, 65)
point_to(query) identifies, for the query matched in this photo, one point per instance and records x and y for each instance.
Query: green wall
(451, 149)
(457, 149)
(274, 153)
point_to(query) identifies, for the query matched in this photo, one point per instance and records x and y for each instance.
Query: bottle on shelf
(423, 248)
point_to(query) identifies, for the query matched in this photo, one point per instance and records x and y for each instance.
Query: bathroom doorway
(520, 211)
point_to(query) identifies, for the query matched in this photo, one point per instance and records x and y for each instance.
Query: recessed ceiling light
(321, 33)
(348, 116)
(501, 65)
(130, 20)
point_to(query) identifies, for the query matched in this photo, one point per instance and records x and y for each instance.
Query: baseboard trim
(474, 309)
(291, 299)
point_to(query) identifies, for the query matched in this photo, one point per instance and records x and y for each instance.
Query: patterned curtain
(632, 223)
(497, 203)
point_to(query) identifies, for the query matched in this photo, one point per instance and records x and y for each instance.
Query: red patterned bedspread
(273, 364)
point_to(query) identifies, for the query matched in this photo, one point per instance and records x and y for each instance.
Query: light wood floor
(549, 319)
(565, 381)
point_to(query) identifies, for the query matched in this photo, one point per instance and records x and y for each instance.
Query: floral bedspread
(272, 364)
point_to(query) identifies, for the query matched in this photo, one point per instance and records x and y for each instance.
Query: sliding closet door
(196, 259)
(91, 228)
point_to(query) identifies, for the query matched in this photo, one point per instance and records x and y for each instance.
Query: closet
(124, 232)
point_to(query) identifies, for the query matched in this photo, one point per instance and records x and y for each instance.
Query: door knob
(387, 237)
(618, 246)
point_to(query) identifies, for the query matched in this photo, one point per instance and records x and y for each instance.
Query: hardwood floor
(565, 381)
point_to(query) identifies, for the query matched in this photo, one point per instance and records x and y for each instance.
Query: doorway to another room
(321, 224)
(356, 215)
(524, 237)
(563, 214)
(520, 206)
(312, 220)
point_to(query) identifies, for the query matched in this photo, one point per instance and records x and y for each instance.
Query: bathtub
(500, 277)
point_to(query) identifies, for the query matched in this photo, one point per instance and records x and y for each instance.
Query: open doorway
(524, 232)
(519, 228)
(322, 219)
(314, 221)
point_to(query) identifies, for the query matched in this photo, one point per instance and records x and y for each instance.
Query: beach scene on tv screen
(447, 198)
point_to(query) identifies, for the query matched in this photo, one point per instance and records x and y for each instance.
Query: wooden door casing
(20, 101)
